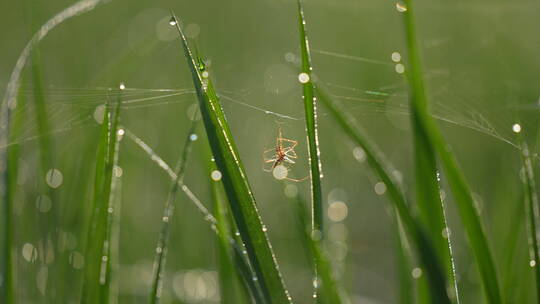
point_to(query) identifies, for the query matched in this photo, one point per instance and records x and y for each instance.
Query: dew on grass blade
(401, 7)
(303, 77)
(416, 273)
(54, 178)
(216, 175)
(193, 137)
(516, 128)
(122, 86)
(359, 154)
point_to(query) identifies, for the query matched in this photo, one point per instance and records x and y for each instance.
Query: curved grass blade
(241, 199)
(9, 102)
(168, 212)
(310, 109)
(533, 213)
(382, 169)
(460, 189)
(96, 282)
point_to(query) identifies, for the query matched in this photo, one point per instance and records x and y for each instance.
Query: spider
(283, 154)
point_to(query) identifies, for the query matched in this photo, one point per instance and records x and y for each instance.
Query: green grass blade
(228, 274)
(310, 109)
(96, 282)
(7, 292)
(462, 194)
(533, 214)
(404, 258)
(241, 199)
(329, 290)
(168, 212)
(381, 168)
(429, 201)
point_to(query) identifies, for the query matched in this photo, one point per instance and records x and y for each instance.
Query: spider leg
(287, 159)
(296, 180)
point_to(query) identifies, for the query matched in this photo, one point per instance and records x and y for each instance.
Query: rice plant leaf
(228, 274)
(460, 189)
(404, 258)
(310, 108)
(96, 282)
(168, 212)
(325, 281)
(533, 214)
(380, 166)
(241, 199)
(429, 201)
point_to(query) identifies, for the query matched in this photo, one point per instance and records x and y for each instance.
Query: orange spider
(283, 154)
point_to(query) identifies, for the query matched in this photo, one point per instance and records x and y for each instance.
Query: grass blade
(230, 293)
(382, 169)
(168, 212)
(236, 185)
(310, 109)
(96, 282)
(9, 102)
(429, 200)
(533, 214)
(329, 290)
(460, 189)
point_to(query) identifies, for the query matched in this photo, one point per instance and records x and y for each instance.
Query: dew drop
(416, 273)
(291, 191)
(264, 228)
(29, 252)
(165, 219)
(122, 86)
(401, 7)
(120, 133)
(159, 249)
(193, 137)
(359, 154)
(280, 172)
(400, 68)
(516, 128)
(337, 211)
(172, 21)
(99, 114)
(54, 178)
(205, 74)
(110, 210)
(216, 175)
(303, 78)
(117, 171)
(396, 57)
(532, 263)
(380, 188)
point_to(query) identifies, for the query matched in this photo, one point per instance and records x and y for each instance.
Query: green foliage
(240, 197)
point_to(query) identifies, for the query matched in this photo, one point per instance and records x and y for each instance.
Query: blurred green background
(481, 65)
